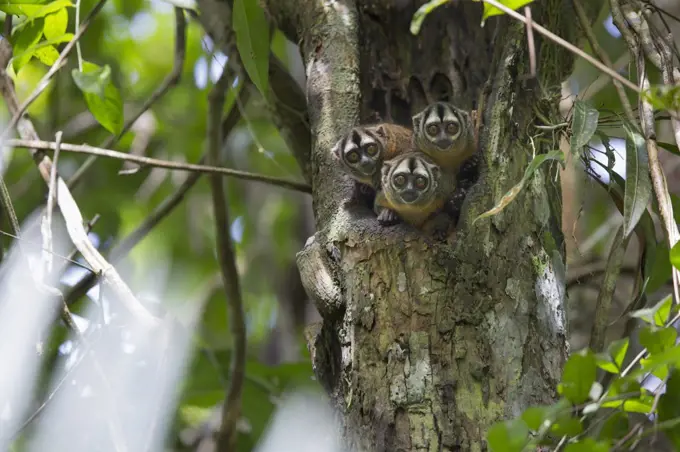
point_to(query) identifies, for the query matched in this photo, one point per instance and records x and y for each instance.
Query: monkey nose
(409, 195)
(442, 143)
(367, 166)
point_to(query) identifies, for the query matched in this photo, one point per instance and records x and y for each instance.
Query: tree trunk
(425, 344)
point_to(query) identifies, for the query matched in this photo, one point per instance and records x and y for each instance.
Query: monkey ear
(417, 120)
(435, 170)
(385, 169)
(380, 131)
(336, 150)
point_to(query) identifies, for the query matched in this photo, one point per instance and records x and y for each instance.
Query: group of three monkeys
(413, 172)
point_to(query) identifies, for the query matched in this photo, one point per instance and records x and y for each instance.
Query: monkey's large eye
(372, 149)
(399, 180)
(421, 182)
(432, 129)
(353, 157)
(452, 128)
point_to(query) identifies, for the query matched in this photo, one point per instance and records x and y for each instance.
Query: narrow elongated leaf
(673, 149)
(493, 11)
(638, 182)
(107, 109)
(583, 125)
(25, 40)
(423, 11)
(252, 41)
(514, 191)
(55, 24)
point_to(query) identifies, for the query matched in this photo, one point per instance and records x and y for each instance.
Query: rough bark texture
(425, 344)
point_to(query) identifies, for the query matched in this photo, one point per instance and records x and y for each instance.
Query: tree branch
(148, 161)
(171, 80)
(231, 408)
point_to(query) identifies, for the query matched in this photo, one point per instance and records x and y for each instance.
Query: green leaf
(675, 256)
(669, 406)
(534, 416)
(106, 109)
(55, 24)
(615, 427)
(638, 182)
(514, 191)
(423, 11)
(613, 359)
(35, 49)
(578, 377)
(673, 149)
(34, 10)
(493, 11)
(663, 97)
(656, 315)
(670, 357)
(25, 40)
(583, 125)
(47, 55)
(658, 341)
(588, 445)
(567, 425)
(252, 41)
(94, 82)
(509, 436)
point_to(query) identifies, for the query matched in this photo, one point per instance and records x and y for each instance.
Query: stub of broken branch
(318, 280)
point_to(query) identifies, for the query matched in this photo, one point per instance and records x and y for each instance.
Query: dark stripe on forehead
(412, 163)
(441, 111)
(356, 137)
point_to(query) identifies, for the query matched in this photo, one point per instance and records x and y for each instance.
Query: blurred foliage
(127, 52)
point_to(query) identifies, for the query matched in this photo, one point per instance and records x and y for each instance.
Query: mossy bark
(425, 344)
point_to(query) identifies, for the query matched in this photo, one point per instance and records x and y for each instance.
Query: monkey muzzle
(443, 143)
(409, 195)
(367, 166)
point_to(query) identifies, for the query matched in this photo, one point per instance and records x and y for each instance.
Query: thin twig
(51, 198)
(171, 80)
(148, 161)
(572, 48)
(231, 409)
(9, 208)
(530, 41)
(53, 70)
